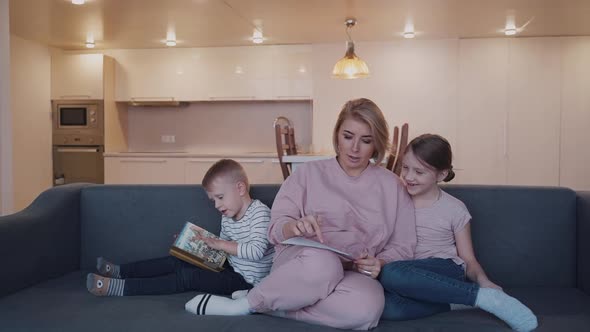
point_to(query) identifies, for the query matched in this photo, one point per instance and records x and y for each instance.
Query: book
(301, 241)
(194, 251)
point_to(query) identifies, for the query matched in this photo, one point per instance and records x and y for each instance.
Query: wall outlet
(168, 138)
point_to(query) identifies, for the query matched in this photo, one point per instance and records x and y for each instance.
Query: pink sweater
(371, 211)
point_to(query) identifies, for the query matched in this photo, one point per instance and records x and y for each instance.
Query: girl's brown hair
(435, 151)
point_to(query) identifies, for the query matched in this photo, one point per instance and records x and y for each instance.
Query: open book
(194, 251)
(301, 241)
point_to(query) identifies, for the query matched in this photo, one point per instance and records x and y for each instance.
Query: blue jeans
(424, 287)
(168, 275)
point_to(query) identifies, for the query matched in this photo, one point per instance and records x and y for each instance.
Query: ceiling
(196, 23)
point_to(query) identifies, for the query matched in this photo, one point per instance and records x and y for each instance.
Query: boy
(244, 225)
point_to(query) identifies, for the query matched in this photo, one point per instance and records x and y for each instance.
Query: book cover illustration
(191, 249)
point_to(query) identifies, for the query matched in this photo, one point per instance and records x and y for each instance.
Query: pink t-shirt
(370, 212)
(437, 225)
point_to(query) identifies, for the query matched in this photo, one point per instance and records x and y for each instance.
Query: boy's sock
(207, 304)
(239, 294)
(507, 308)
(104, 286)
(107, 268)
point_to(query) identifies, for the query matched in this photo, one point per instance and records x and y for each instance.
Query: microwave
(78, 122)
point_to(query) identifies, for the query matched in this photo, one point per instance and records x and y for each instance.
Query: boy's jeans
(168, 275)
(424, 287)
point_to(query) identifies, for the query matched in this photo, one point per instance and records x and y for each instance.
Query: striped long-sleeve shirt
(255, 253)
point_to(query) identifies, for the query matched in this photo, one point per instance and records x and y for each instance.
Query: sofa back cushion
(523, 236)
(126, 223)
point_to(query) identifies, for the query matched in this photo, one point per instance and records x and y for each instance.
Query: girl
(444, 253)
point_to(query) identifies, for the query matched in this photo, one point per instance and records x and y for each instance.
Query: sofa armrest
(583, 239)
(42, 241)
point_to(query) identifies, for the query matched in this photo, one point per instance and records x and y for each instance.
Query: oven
(78, 141)
(78, 164)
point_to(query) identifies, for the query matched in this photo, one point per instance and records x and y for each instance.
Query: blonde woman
(345, 202)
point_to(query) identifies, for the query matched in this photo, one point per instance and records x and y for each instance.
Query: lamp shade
(350, 66)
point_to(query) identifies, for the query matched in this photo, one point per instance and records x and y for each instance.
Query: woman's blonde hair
(367, 111)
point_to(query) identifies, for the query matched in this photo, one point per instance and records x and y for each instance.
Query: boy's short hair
(225, 168)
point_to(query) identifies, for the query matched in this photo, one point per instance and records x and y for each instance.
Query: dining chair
(398, 147)
(285, 141)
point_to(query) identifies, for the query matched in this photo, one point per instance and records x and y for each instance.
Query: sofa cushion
(136, 222)
(64, 304)
(523, 236)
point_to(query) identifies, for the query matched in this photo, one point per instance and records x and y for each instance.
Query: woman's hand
(368, 265)
(307, 226)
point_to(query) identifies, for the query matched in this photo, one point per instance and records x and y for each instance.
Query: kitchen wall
(31, 122)
(5, 113)
(217, 127)
(516, 110)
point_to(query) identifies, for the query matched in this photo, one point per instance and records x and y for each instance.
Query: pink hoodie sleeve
(287, 206)
(402, 243)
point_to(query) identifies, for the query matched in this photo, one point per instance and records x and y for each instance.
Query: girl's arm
(474, 270)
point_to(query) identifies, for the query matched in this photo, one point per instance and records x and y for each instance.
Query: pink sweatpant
(310, 285)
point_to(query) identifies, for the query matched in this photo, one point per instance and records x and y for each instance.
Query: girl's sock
(107, 268)
(507, 308)
(104, 286)
(207, 304)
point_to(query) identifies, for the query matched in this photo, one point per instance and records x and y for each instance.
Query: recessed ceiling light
(409, 34)
(90, 44)
(257, 37)
(510, 31)
(78, 2)
(170, 42)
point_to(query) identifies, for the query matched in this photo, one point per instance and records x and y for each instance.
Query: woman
(345, 202)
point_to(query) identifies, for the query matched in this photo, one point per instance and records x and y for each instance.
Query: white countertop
(188, 154)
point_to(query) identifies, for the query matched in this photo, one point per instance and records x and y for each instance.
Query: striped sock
(104, 286)
(207, 304)
(107, 268)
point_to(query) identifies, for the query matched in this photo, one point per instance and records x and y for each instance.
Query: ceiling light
(257, 37)
(78, 2)
(170, 42)
(510, 31)
(409, 34)
(350, 66)
(90, 44)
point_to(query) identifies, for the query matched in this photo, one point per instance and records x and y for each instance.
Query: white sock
(207, 304)
(507, 308)
(239, 294)
(457, 306)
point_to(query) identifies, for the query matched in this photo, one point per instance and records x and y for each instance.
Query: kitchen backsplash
(213, 127)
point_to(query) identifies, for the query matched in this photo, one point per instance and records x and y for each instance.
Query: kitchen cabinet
(160, 74)
(481, 148)
(509, 111)
(131, 170)
(212, 74)
(534, 97)
(575, 107)
(240, 73)
(259, 170)
(77, 76)
(292, 70)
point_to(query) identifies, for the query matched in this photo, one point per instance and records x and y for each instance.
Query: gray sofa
(534, 241)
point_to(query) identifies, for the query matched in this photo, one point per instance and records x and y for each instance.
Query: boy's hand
(212, 243)
(307, 226)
